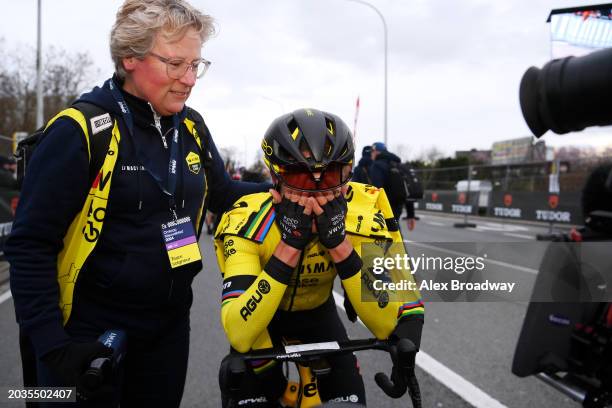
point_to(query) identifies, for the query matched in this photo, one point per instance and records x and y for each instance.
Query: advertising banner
(539, 206)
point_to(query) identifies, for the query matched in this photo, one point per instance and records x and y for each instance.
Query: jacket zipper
(157, 119)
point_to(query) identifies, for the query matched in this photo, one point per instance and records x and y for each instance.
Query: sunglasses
(299, 177)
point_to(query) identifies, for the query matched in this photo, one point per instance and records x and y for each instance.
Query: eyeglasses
(177, 68)
(299, 177)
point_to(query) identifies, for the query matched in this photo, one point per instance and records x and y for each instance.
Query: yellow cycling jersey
(246, 239)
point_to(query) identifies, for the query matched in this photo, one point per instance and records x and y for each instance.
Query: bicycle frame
(302, 394)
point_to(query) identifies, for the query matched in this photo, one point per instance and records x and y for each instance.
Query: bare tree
(65, 76)
(430, 155)
(229, 154)
(403, 151)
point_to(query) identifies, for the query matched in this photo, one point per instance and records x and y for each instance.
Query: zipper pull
(173, 209)
(157, 120)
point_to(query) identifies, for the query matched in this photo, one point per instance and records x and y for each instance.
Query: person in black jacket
(379, 177)
(86, 257)
(7, 173)
(361, 171)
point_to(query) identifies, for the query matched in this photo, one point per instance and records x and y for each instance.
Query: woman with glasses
(109, 241)
(280, 253)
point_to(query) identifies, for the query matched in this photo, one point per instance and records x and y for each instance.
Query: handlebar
(402, 354)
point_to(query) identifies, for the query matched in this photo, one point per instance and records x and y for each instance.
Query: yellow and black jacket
(93, 252)
(246, 239)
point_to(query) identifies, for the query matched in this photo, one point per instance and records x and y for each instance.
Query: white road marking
(437, 224)
(5, 296)
(459, 385)
(530, 237)
(488, 260)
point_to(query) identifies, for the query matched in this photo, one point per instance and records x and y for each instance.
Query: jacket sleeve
(381, 313)
(223, 190)
(53, 192)
(250, 296)
(377, 173)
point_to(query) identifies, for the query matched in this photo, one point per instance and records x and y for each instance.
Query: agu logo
(264, 286)
(383, 300)
(251, 304)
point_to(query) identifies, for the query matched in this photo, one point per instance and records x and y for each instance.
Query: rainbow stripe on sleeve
(225, 299)
(409, 309)
(261, 223)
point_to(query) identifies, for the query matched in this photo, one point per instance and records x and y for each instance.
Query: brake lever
(402, 373)
(405, 354)
(394, 387)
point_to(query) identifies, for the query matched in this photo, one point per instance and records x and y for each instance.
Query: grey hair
(138, 21)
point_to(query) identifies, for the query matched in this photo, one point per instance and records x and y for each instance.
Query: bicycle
(310, 361)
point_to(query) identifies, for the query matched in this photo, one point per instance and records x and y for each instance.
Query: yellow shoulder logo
(193, 162)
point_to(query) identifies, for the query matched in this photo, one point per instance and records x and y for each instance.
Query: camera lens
(568, 94)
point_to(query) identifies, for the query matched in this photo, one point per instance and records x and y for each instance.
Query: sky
(454, 67)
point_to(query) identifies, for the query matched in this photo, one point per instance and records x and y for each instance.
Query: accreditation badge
(193, 162)
(181, 242)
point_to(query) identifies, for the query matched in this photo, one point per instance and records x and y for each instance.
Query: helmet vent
(345, 149)
(282, 153)
(305, 149)
(330, 126)
(294, 129)
(328, 146)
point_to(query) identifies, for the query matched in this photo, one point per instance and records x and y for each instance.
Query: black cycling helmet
(312, 142)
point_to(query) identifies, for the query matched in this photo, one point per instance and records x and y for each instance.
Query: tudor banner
(539, 206)
(450, 201)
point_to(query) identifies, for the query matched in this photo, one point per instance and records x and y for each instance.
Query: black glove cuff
(278, 270)
(350, 266)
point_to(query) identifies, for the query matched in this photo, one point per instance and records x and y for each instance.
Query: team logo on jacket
(264, 286)
(193, 162)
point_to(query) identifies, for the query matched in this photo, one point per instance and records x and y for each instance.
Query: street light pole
(39, 98)
(382, 18)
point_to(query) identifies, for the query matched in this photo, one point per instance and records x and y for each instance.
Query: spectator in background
(382, 160)
(360, 172)
(253, 176)
(8, 167)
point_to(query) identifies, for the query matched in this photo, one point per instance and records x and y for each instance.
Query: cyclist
(279, 253)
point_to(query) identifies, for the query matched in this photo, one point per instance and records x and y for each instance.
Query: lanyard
(170, 189)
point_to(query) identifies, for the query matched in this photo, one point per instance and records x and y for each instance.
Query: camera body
(568, 344)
